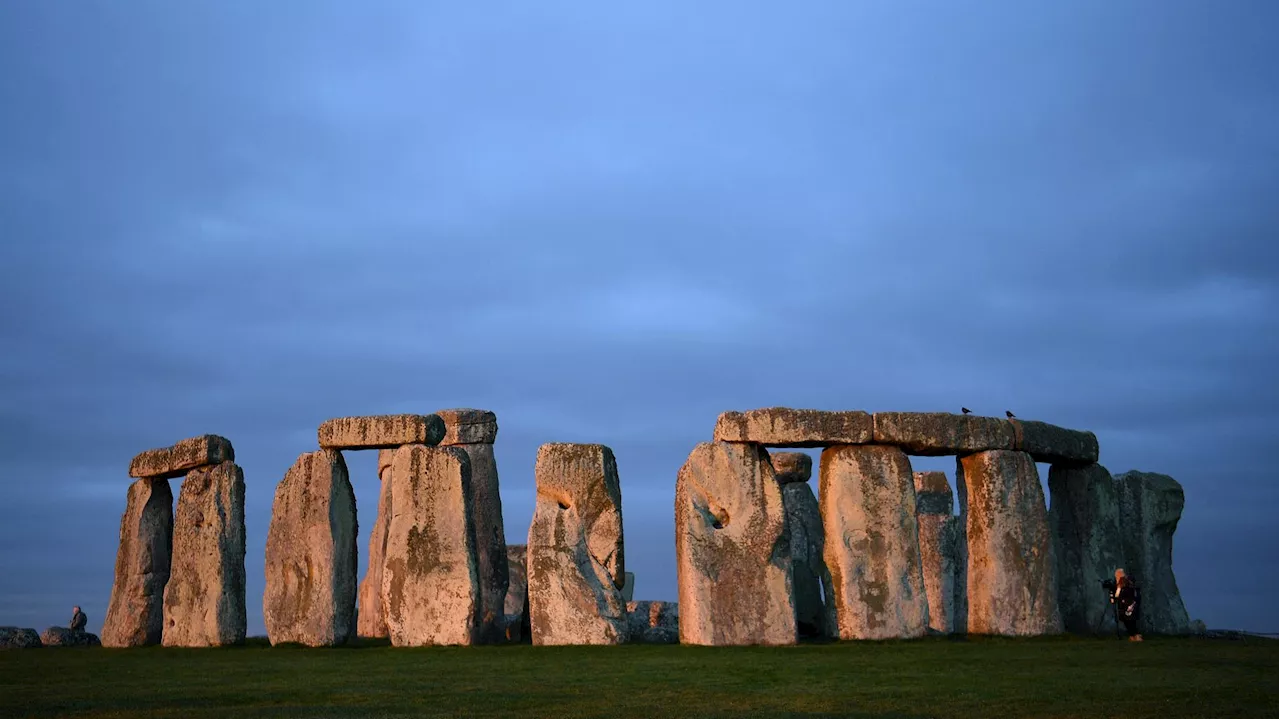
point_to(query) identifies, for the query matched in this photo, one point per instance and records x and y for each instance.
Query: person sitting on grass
(78, 620)
(1128, 601)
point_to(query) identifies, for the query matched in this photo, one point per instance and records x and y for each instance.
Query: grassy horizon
(935, 677)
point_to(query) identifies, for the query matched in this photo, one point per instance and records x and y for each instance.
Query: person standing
(1128, 603)
(78, 620)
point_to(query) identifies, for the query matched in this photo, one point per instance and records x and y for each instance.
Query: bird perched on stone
(1008, 414)
(964, 410)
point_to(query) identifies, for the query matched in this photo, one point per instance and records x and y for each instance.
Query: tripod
(1115, 615)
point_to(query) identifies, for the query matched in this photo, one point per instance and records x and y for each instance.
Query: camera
(1109, 585)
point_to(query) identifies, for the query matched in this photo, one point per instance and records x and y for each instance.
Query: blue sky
(611, 223)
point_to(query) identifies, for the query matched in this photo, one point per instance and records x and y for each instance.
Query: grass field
(1049, 677)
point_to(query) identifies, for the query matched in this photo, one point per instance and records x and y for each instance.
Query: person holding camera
(1128, 604)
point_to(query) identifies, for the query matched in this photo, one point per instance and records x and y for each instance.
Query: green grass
(937, 677)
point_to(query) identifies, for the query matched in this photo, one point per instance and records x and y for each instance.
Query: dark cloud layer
(609, 225)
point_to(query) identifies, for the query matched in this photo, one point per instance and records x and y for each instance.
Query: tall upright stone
(135, 616)
(1011, 571)
(939, 533)
(516, 605)
(371, 615)
(733, 550)
(310, 567)
(1085, 516)
(872, 547)
(576, 559)
(1150, 507)
(204, 598)
(430, 581)
(474, 431)
(811, 582)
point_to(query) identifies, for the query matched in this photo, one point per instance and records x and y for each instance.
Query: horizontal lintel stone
(786, 427)
(170, 462)
(468, 426)
(381, 431)
(1053, 444)
(933, 434)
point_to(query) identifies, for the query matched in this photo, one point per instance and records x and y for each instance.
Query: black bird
(1009, 414)
(964, 410)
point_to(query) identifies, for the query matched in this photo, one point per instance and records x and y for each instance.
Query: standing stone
(811, 582)
(1150, 507)
(491, 539)
(204, 598)
(310, 595)
(1011, 572)
(516, 606)
(576, 562)
(371, 615)
(872, 545)
(654, 622)
(430, 582)
(135, 616)
(733, 551)
(628, 586)
(939, 537)
(1085, 516)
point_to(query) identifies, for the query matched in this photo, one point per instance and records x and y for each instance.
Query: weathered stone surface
(1150, 507)
(1011, 572)
(386, 431)
(468, 426)
(204, 598)
(1056, 445)
(628, 586)
(733, 550)
(310, 567)
(576, 561)
(135, 616)
(430, 579)
(939, 534)
(810, 580)
(371, 615)
(63, 637)
(791, 466)
(516, 606)
(1084, 514)
(786, 427)
(175, 461)
(653, 622)
(491, 539)
(932, 434)
(872, 544)
(19, 638)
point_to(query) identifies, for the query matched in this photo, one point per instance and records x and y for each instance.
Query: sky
(611, 222)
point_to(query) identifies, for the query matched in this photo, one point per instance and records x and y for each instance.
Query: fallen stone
(491, 539)
(811, 582)
(786, 427)
(872, 548)
(381, 432)
(932, 434)
(1150, 508)
(516, 606)
(576, 562)
(204, 598)
(733, 550)
(175, 461)
(468, 426)
(430, 581)
(1055, 445)
(1197, 628)
(63, 637)
(628, 586)
(1084, 514)
(311, 565)
(653, 622)
(371, 616)
(791, 467)
(135, 615)
(19, 638)
(1011, 572)
(939, 533)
